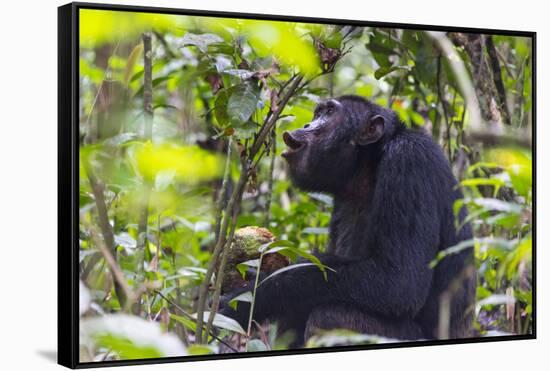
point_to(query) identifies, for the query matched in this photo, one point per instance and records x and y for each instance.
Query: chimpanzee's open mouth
(293, 144)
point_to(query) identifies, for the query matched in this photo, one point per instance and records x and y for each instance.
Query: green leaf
(474, 182)
(383, 71)
(132, 60)
(416, 118)
(285, 269)
(165, 106)
(245, 130)
(496, 299)
(155, 83)
(120, 139)
(224, 322)
(187, 322)
(125, 240)
(425, 66)
(256, 345)
(98, 26)
(190, 164)
(220, 106)
(289, 250)
(243, 74)
(164, 179)
(125, 348)
(284, 41)
(326, 199)
(245, 296)
(131, 337)
(201, 41)
(498, 205)
(243, 267)
(315, 230)
(200, 350)
(243, 102)
(494, 242)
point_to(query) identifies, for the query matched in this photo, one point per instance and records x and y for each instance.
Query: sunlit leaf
(98, 27)
(496, 299)
(190, 164)
(518, 165)
(466, 244)
(125, 240)
(243, 74)
(245, 296)
(284, 42)
(243, 267)
(224, 322)
(131, 63)
(201, 41)
(130, 337)
(187, 322)
(201, 349)
(85, 299)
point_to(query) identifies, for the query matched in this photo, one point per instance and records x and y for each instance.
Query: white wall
(28, 181)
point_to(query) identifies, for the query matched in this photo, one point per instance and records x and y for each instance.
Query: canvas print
(255, 185)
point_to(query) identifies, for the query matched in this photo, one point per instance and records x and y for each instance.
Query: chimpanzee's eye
(330, 107)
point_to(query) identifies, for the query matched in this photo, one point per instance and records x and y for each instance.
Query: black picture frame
(68, 181)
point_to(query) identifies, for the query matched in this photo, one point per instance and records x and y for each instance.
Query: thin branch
(441, 98)
(490, 139)
(229, 211)
(114, 268)
(107, 70)
(148, 85)
(455, 288)
(103, 222)
(221, 272)
(175, 305)
(164, 43)
(148, 135)
(497, 79)
(221, 268)
(270, 180)
(461, 74)
(255, 288)
(270, 123)
(224, 188)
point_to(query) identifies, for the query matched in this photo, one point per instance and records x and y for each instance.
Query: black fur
(393, 211)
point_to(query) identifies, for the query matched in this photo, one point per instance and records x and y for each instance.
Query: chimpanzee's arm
(413, 186)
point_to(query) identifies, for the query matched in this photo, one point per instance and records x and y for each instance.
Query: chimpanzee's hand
(242, 312)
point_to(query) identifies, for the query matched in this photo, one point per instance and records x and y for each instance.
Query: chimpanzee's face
(322, 155)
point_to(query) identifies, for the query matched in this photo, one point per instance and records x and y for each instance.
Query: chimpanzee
(393, 212)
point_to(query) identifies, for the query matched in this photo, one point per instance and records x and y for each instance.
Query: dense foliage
(180, 137)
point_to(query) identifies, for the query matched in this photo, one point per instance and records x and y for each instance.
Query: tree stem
(148, 136)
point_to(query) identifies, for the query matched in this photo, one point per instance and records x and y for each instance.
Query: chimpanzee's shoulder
(414, 146)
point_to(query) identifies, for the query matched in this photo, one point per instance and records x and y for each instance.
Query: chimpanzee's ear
(372, 131)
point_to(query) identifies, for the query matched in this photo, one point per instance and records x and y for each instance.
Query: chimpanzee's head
(324, 155)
